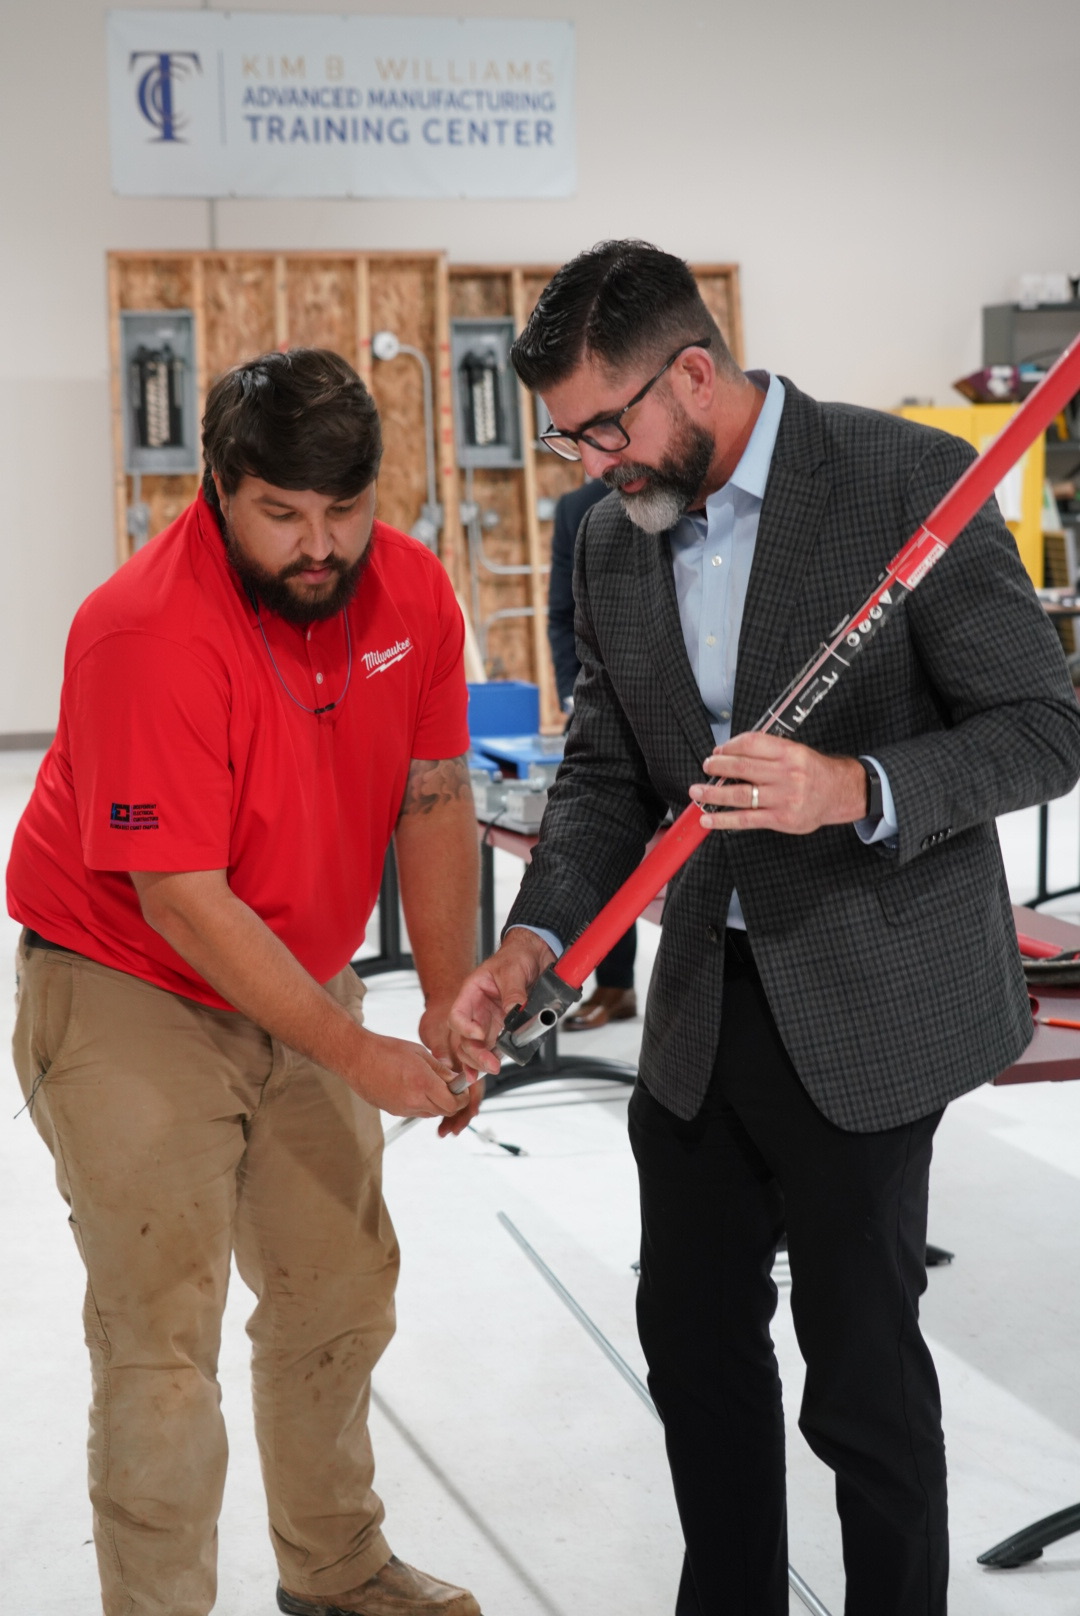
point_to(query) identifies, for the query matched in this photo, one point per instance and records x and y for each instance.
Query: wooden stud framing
(249, 303)
(363, 321)
(453, 543)
(245, 303)
(549, 711)
(120, 491)
(403, 299)
(484, 292)
(145, 281)
(281, 302)
(198, 307)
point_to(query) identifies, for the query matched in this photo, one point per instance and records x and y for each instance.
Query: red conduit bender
(560, 986)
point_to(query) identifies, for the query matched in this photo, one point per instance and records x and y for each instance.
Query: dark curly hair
(300, 419)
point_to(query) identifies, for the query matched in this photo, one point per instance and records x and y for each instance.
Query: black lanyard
(316, 711)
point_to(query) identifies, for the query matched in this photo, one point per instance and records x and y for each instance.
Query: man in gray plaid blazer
(838, 960)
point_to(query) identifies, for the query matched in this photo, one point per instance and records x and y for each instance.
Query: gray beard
(672, 486)
(654, 510)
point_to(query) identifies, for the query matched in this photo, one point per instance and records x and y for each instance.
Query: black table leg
(391, 956)
(1044, 837)
(1043, 895)
(486, 918)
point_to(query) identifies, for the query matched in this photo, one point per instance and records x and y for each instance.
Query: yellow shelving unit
(1020, 495)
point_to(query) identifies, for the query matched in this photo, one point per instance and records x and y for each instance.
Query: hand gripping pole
(560, 986)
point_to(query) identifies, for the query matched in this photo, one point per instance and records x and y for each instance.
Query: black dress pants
(616, 970)
(717, 1193)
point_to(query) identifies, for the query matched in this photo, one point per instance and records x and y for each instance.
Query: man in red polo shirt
(251, 708)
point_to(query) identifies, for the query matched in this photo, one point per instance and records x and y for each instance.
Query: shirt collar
(752, 472)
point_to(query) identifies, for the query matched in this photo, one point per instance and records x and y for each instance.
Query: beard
(670, 488)
(299, 605)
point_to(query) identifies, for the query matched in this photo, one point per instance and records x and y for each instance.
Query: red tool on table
(560, 986)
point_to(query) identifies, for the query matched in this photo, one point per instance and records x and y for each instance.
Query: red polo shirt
(179, 748)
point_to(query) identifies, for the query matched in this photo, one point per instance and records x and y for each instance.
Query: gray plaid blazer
(893, 977)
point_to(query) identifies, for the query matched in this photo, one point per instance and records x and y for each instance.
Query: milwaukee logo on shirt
(378, 661)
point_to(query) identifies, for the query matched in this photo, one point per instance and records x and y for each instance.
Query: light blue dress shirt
(712, 552)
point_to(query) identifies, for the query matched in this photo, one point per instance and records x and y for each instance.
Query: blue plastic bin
(504, 707)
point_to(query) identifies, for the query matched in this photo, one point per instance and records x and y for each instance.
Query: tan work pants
(183, 1134)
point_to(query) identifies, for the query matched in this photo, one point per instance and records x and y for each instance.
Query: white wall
(878, 171)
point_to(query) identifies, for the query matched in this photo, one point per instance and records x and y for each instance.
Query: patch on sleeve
(134, 816)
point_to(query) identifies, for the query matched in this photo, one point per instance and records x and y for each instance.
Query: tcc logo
(155, 92)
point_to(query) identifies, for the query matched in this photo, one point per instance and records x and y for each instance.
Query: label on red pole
(916, 558)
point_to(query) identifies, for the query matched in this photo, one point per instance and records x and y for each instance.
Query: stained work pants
(182, 1135)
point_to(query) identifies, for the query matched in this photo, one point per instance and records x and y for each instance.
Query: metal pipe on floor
(636, 1384)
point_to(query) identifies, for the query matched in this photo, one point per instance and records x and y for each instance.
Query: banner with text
(244, 103)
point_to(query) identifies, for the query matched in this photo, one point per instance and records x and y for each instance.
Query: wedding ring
(753, 796)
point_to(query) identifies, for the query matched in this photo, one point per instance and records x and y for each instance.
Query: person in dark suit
(838, 960)
(613, 998)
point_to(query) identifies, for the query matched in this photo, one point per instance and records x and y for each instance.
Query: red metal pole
(907, 569)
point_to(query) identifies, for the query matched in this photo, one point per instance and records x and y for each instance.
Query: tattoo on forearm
(433, 782)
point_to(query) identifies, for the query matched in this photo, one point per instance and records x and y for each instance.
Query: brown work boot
(397, 1590)
(602, 1005)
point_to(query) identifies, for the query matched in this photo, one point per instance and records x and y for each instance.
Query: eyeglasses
(609, 435)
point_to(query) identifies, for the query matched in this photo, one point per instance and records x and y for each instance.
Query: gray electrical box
(157, 384)
(487, 419)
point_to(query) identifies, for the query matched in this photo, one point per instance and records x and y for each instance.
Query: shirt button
(725, 714)
(710, 639)
(318, 678)
(717, 561)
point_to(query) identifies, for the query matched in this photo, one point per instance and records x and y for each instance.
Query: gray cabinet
(1011, 335)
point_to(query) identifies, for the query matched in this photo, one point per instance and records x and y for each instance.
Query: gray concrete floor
(511, 1455)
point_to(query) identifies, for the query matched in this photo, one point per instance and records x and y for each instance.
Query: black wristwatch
(874, 805)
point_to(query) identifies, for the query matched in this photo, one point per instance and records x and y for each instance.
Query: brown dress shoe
(397, 1590)
(602, 1006)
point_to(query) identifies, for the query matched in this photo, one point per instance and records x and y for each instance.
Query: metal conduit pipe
(471, 520)
(386, 345)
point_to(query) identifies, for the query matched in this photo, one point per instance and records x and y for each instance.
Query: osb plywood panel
(477, 295)
(321, 304)
(534, 280)
(402, 301)
(239, 296)
(557, 477)
(167, 497)
(554, 477)
(155, 283)
(508, 650)
(509, 654)
(481, 292)
(251, 300)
